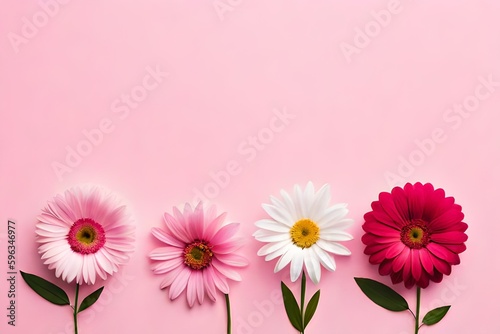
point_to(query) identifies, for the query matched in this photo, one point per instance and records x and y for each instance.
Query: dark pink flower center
(198, 255)
(415, 234)
(86, 236)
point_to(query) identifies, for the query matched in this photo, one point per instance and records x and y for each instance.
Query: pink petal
(232, 260)
(192, 286)
(196, 223)
(225, 270)
(219, 281)
(208, 280)
(176, 228)
(179, 283)
(167, 238)
(214, 225)
(226, 232)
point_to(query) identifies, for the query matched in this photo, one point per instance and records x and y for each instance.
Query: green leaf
(311, 308)
(90, 300)
(382, 295)
(292, 308)
(434, 316)
(45, 289)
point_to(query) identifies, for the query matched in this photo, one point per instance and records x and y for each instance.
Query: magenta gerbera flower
(83, 234)
(415, 234)
(198, 255)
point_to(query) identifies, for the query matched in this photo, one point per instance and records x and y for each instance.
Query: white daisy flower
(304, 230)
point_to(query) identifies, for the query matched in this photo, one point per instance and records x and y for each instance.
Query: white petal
(279, 252)
(278, 214)
(312, 265)
(292, 208)
(324, 258)
(264, 236)
(285, 259)
(333, 247)
(320, 202)
(335, 236)
(272, 225)
(297, 265)
(302, 210)
(341, 224)
(332, 214)
(272, 247)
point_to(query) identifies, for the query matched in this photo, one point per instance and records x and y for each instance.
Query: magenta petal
(369, 239)
(378, 257)
(446, 220)
(443, 253)
(381, 230)
(395, 250)
(385, 267)
(426, 261)
(416, 200)
(401, 259)
(387, 204)
(416, 266)
(453, 237)
(401, 202)
(374, 248)
(440, 265)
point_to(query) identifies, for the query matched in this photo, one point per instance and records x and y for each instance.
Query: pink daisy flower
(83, 234)
(198, 255)
(415, 234)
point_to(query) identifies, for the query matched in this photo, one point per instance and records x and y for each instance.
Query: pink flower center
(415, 234)
(86, 236)
(198, 255)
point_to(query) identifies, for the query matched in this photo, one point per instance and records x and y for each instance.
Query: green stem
(417, 315)
(228, 310)
(302, 299)
(75, 308)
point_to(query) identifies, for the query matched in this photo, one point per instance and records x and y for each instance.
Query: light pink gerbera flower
(83, 234)
(415, 234)
(198, 255)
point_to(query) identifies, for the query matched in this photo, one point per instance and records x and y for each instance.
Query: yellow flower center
(198, 255)
(415, 234)
(86, 235)
(304, 233)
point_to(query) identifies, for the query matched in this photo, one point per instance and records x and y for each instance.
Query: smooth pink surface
(352, 119)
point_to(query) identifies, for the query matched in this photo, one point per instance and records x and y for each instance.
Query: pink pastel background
(359, 107)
